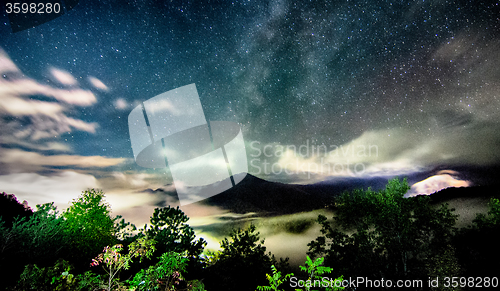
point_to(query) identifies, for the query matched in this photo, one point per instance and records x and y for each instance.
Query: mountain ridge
(256, 195)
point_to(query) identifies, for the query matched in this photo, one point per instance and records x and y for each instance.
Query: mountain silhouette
(255, 195)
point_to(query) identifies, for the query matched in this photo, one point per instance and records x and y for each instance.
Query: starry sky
(380, 88)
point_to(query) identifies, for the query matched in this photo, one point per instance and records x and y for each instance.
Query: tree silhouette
(393, 236)
(242, 263)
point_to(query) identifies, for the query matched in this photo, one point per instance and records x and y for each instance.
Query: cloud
(42, 126)
(98, 84)
(133, 203)
(121, 104)
(436, 183)
(18, 106)
(79, 124)
(6, 64)
(38, 189)
(165, 106)
(374, 153)
(31, 111)
(133, 180)
(44, 146)
(382, 153)
(17, 160)
(21, 87)
(27, 87)
(123, 199)
(63, 77)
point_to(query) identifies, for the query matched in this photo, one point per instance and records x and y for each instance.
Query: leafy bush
(165, 275)
(314, 271)
(113, 261)
(56, 278)
(275, 280)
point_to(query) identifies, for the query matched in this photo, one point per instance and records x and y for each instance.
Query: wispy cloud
(381, 153)
(17, 160)
(121, 104)
(45, 146)
(98, 84)
(18, 106)
(39, 189)
(27, 87)
(63, 77)
(36, 113)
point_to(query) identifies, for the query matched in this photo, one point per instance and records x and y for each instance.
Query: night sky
(419, 81)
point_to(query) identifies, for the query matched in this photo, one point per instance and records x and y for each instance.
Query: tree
(242, 263)
(38, 239)
(444, 265)
(492, 219)
(475, 245)
(90, 224)
(393, 236)
(10, 208)
(113, 261)
(168, 227)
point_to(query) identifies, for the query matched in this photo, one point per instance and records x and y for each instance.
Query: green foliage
(169, 228)
(165, 275)
(89, 281)
(494, 211)
(493, 217)
(37, 238)
(90, 224)
(113, 261)
(243, 258)
(243, 242)
(275, 280)
(444, 265)
(315, 270)
(75, 235)
(374, 234)
(125, 230)
(10, 208)
(393, 236)
(56, 278)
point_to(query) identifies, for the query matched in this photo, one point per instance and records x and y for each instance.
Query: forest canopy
(372, 234)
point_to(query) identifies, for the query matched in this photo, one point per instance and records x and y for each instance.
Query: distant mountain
(263, 197)
(465, 193)
(338, 186)
(253, 194)
(164, 196)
